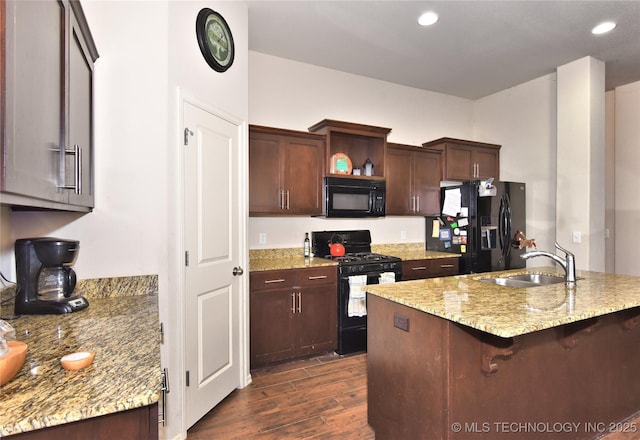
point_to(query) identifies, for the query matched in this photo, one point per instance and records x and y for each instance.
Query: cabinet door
(272, 325)
(34, 99)
(398, 176)
(426, 183)
(487, 163)
(458, 163)
(303, 166)
(78, 168)
(265, 174)
(317, 316)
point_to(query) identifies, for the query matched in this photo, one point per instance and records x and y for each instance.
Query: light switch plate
(577, 237)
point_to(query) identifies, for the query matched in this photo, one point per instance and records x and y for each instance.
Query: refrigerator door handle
(507, 232)
(504, 225)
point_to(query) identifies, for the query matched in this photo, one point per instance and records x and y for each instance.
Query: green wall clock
(215, 40)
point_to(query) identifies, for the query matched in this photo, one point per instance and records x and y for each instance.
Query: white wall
(523, 120)
(580, 180)
(610, 183)
(627, 178)
(293, 95)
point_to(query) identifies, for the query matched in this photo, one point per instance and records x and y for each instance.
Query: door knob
(237, 271)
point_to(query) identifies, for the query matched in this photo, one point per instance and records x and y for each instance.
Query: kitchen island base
(430, 378)
(140, 423)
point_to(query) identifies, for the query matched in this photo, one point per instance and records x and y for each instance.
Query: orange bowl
(12, 361)
(76, 361)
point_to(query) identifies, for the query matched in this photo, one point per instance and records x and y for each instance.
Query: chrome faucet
(568, 263)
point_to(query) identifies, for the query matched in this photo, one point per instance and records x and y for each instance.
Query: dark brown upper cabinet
(413, 180)
(359, 142)
(285, 172)
(467, 160)
(47, 119)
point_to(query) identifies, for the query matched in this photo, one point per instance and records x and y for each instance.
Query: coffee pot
(56, 283)
(46, 280)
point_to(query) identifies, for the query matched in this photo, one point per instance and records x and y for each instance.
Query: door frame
(243, 206)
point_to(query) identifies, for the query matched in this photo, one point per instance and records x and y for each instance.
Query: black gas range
(357, 268)
(362, 262)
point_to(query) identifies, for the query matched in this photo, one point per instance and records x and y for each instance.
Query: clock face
(215, 40)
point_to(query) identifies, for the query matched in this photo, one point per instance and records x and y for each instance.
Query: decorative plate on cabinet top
(340, 164)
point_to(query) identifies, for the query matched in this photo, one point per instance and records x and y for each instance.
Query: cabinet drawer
(271, 279)
(316, 275)
(416, 269)
(444, 267)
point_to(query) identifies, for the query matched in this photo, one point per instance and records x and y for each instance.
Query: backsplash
(387, 249)
(97, 288)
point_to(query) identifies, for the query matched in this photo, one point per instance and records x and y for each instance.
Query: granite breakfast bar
(458, 358)
(114, 397)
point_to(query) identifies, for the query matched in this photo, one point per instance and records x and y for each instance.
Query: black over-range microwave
(345, 197)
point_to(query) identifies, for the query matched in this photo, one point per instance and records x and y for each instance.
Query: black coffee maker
(45, 278)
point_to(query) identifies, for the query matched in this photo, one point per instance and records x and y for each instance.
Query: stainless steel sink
(524, 280)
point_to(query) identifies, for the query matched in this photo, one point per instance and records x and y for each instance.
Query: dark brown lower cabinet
(139, 423)
(429, 268)
(293, 313)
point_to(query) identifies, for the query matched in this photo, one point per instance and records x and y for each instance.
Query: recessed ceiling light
(603, 28)
(428, 18)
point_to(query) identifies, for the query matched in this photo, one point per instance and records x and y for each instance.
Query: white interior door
(212, 241)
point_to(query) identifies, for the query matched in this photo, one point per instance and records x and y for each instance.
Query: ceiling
(476, 48)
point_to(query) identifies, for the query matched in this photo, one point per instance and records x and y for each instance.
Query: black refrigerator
(480, 220)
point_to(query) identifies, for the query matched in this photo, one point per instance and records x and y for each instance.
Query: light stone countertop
(292, 258)
(123, 331)
(508, 311)
(284, 263)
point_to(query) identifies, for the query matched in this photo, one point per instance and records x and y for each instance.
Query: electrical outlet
(401, 321)
(262, 238)
(403, 235)
(577, 237)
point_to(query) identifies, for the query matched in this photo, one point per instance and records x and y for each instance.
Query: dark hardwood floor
(319, 398)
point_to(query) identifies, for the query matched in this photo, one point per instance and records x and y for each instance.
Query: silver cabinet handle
(237, 271)
(419, 268)
(77, 170)
(164, 388)
(417, 203)
(318, 277)
(281, 199)
(299, 302)
(293, 303)
(444, 266)
(287, 205)
(279, 280)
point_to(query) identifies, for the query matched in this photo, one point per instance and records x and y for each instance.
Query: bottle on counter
(307, 245)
